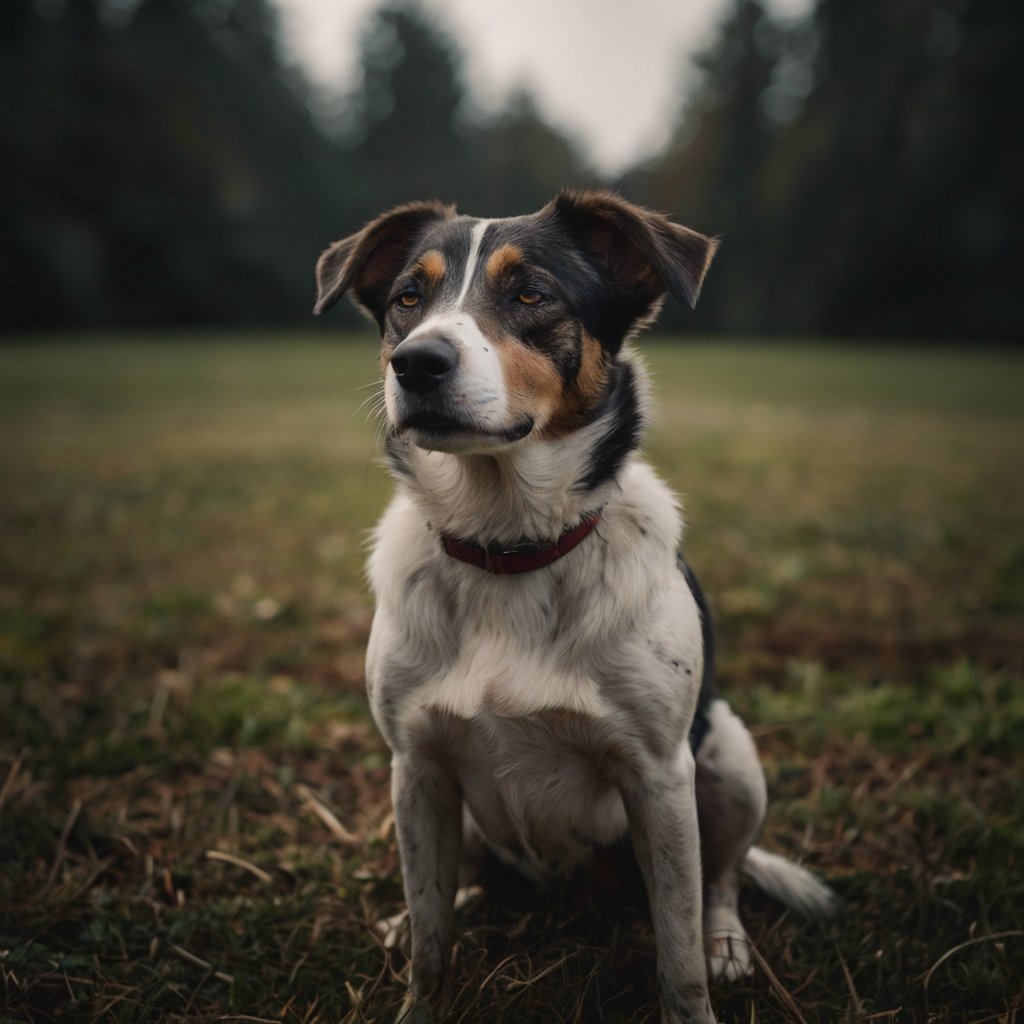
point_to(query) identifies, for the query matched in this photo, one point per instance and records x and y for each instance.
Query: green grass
(182, 622)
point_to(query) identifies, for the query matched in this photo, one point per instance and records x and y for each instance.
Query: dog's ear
(644, 253)
(369, 261)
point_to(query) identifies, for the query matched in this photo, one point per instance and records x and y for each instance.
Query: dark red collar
(524, 557)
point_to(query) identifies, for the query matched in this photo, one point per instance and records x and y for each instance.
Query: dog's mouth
(441, 432)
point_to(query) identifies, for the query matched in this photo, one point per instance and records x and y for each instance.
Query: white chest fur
(537, 690)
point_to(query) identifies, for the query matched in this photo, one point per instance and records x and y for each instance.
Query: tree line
(165, 165)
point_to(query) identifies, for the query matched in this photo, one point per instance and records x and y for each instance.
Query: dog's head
(497, 330)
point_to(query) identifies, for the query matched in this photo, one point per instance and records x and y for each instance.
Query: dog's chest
(507, 673)
(540, 787)
(600, 641)
(527, 701)
(538, 691)
(467, 645)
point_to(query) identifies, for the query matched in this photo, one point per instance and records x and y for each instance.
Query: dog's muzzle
(422, 364)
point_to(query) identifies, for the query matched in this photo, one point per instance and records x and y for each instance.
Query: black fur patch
(622, 406)
(700, 726)
(583, 286)
(397, 453)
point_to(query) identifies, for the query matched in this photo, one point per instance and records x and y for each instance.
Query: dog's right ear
(642, 252)
(369, 261)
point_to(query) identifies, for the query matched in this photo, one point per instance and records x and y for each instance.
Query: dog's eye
(408, 300)
(530, 297)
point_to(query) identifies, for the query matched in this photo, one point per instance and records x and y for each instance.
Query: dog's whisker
(373, 406)
(372, 410)
(380, 434)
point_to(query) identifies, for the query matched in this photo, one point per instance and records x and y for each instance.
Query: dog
(541, 661)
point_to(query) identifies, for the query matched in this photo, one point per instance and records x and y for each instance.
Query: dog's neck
(532, 490)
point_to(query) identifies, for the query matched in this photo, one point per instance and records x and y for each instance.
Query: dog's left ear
(369, 261)
(644, 253)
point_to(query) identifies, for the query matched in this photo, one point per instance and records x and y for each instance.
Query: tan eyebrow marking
(432, 265)
(502, 260)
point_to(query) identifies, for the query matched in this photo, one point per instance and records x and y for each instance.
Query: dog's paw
(414, 1011)
(726, 944)
(728, 954)
(394, 930)
(467, 894)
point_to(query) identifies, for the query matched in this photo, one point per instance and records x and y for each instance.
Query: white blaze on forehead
(477, 390)
(471, 260)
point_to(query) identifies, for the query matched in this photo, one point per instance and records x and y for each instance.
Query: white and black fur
(550, 712)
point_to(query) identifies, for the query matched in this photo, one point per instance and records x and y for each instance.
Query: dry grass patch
(194, 813)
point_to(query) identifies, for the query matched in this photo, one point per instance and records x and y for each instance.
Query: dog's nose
(420, 364)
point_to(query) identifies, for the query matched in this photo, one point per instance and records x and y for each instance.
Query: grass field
(194, 816)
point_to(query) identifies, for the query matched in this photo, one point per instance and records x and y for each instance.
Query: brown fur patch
(532, 383)
(535, 387)
(501, 261)
(385, 357)
(432, 266)
(582, 395)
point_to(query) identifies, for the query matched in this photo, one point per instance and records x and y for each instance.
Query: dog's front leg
(662, 808)
(428, 818)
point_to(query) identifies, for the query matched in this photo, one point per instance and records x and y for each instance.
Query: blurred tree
(710, 176)
(415, 134)
(162, 166)
(406, 140)
(904, 203)
(862, 166)
(523, 161)
(160, 169)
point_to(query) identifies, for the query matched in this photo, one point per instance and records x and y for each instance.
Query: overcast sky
(610, 73)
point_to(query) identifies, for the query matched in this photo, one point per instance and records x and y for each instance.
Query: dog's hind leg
(731, 801)
(472, 851)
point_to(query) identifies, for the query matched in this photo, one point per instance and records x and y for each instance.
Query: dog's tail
(790, 884)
